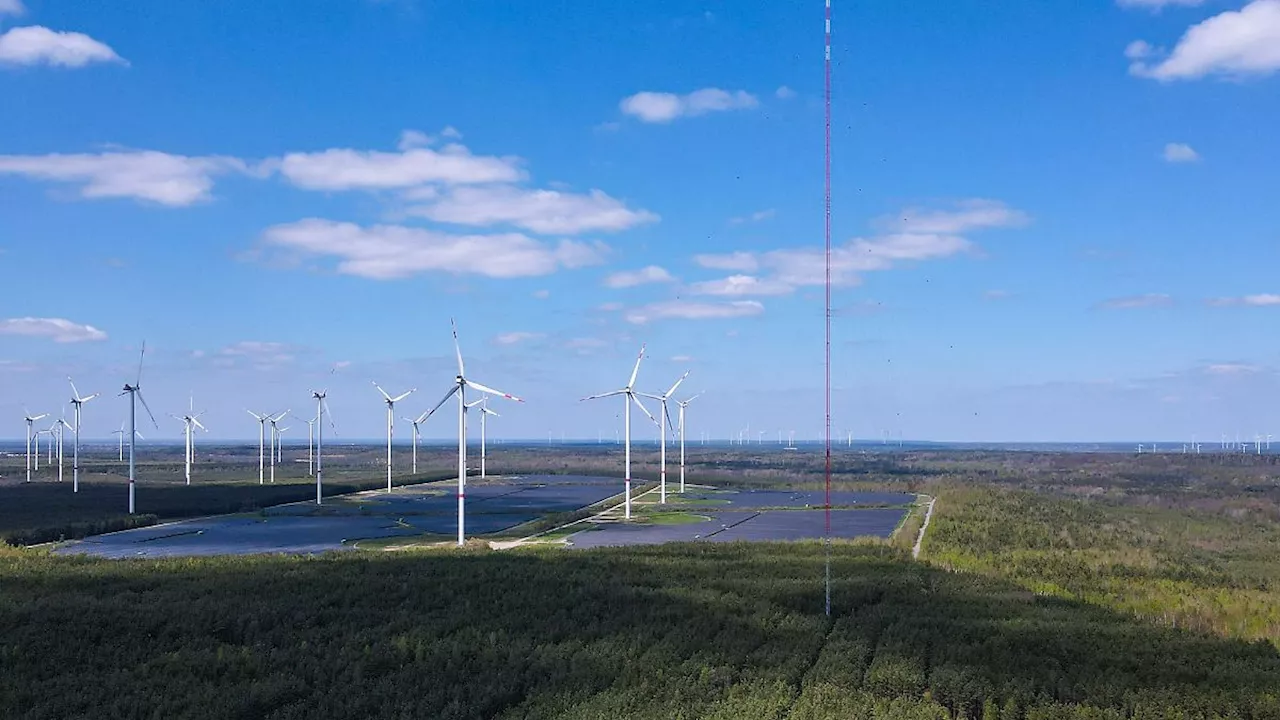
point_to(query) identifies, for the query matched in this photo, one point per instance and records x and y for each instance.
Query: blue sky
(1053, 221)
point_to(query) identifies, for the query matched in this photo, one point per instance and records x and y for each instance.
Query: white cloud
(739, 261)
(410, 139)
(914, 235)
(784, 93)
(586, 345)
(1157, 4)
(1180, 153)
(609, 307)
(56, 329)
(385, 252)
(645, 275)
(172, 180)
(515, 338)
(1137, 301)
(540, 211)
(257, 352)
(1259, 300)
(450, 132)
(345, 169)
(1232, 369)
(685, 310)
(11, 7)
(681, 358)
(661, 107)
(1235, 44)
(542, 294)
(741, 285)
(758, 216)
(1138, 50)
(36, 45)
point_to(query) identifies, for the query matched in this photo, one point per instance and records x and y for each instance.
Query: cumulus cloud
(1130, 302)
(1259, 300)
(36, 45)
(913, 235)
(662, 107)
(1180, 153)
(515, 338)
(173, 180)
(784, 93)
(346, 169)
(1232, 369)
(686, 310)
(385, 252)
(11, 7)
(55, 329)
(643, 276)
(741, 285)
(1233, 44)
(682, 358)
(539, 211)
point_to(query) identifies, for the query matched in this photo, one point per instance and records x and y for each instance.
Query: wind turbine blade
(255, 415)
(74, 391)
(85, 400)
(421, 418)
(673, 387)
(474, 403)
(670, 425)
(695, 397)
(324, 402)
(277, 418)
(491, 391)
(141, 356)
(636, 371)
(400, 397)
(643, 409)
(457, 348)
(197, 424)
(604, 395)
(487, 411)
(144, 406)
(651, 396)
(384, 392)
(443, 400)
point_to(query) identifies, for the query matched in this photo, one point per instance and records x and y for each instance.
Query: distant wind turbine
(417, 433)
(77, 402)
(391, 423)
(262, 445)
(485, 412)
(275, 438)
(662, 430)
(322, 406)
(31, 419)
(682, 404)
(628, 394)
(190, 420)
(311, 429)
(61, 426)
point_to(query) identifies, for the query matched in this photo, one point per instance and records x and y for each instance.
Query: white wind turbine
(61, 426)
(76, 403)
(417, 424)
(461, 383)
(311, 429)
(485, 412)
(262, 445)
(120, 434)
(682, 404)
(322, 406)
(31, 419)
(275, 437)
(134, 392)
(628, 396)
(191, 419)
(391, 426)
(662, 425)
(49, 450)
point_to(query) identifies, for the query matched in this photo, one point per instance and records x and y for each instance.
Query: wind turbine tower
(134, 392)
(391, 425)
(30, 422)
(77, 402)
(662, 430)
(682, 404)
(628, 394)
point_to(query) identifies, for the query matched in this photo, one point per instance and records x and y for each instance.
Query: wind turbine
(416, 434)
(662, 425)
(461, 383)
(76, 403)
(628, 396)
(391, 424)
(311, 429)
(682, 404)
(485, 412)
(62, 426)
(275, 436)
(321, 407)
(30, 421)
(134, 392)
(188, 421)
(262, 443)
(50, 450)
